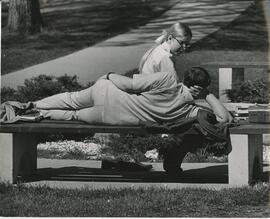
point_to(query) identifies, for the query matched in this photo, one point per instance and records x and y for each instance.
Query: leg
(173, 158)
(245, 159)
(60, 114)
(90, 115)
(176, 152)
(68, 100)
(18, 155)
(173, 155)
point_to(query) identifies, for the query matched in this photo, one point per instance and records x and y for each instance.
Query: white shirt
(158, 59)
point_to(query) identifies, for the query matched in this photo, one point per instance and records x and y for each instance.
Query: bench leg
(18, 156)
(245, 159)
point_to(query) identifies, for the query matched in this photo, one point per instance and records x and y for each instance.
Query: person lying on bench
(119, 100)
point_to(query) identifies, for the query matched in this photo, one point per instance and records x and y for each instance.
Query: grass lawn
(73, 25)
(43, 201)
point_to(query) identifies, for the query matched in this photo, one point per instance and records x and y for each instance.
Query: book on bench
(259, 113)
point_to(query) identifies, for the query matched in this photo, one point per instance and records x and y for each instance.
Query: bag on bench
(14, 111)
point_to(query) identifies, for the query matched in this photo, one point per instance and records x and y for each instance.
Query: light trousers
(85, 105)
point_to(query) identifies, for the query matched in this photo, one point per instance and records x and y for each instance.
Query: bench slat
(237, 64)
(64, 127)
(76, 127)
(252, 128)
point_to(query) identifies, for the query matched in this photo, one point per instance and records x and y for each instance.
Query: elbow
(225, 118)
(222, 120)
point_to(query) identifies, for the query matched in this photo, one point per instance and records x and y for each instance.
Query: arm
(142, 83)
(122, 82)
(167, 65)
(221, 112)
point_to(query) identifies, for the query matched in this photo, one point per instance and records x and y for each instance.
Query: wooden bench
(18, 147)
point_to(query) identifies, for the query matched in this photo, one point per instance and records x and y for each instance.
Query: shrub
(250, 91)
(37, 88)
(40, 87)
(135, 146)
(8, 93)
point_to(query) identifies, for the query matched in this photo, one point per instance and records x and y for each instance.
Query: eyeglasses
(182, 43)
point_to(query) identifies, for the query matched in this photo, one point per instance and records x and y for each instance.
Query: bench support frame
(18, 155)
(245, 159)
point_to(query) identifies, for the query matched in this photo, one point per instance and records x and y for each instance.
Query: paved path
(80, 174)
(123, 52)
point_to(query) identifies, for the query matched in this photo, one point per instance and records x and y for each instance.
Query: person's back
(158, 98)
(158, 59)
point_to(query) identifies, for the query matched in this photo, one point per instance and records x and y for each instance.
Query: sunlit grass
(44, 201)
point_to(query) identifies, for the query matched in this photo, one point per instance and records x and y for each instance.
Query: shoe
(108, 164)
(172, 161)
(174, 172)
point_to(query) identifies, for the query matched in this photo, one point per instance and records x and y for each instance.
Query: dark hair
(197, 76)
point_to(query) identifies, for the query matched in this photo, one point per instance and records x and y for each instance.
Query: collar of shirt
(166, 48)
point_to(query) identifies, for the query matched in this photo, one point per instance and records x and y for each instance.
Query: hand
(195, 90)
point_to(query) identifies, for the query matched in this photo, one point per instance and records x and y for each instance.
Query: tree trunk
(24, 16)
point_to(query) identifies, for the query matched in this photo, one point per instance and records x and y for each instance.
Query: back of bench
(232, 71)
(237, 64)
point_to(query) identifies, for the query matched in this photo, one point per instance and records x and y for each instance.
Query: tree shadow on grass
(78, 26)
(88, 23)
(248, 32)
(209, 175)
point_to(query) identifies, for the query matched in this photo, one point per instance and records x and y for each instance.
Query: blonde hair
(176, 30)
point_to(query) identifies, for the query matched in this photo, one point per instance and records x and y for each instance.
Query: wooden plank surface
(232, 64)
(251, 128)
(66, 127)
(49, 126)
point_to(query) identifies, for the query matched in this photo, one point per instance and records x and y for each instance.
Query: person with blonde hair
(172, 42)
